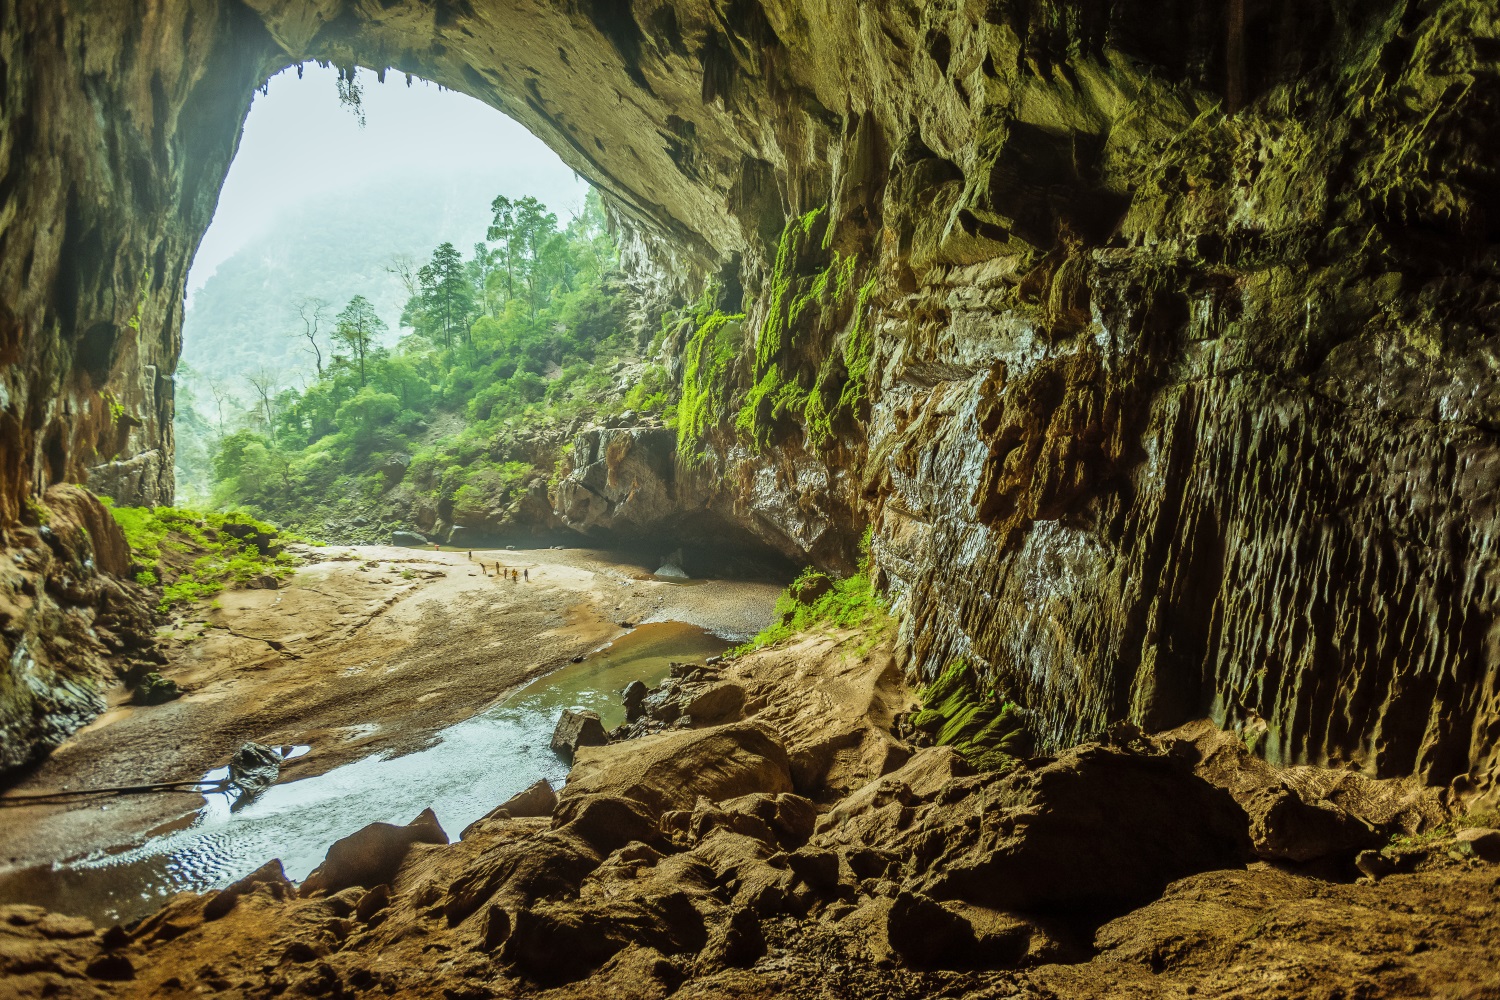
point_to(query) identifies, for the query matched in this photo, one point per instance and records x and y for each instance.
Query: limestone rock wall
(1156, 340)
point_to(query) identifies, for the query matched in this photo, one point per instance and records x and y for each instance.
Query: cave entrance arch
(123, 124)
(342, 186)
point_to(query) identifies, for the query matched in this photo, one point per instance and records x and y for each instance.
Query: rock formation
(1155, 341)
(698, 864)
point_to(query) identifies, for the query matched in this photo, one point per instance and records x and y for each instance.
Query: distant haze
(314, 205)
(301, 144)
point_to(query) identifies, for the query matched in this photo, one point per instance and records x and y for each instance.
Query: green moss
(38, 511)
(798, 303)
(986, 731)
(707, 368)
(1406, 842)
(850, 603)
(196, 554)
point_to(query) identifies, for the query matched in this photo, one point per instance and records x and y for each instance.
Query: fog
(300, 143)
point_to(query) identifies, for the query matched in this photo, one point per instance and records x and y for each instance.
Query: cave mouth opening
(343, 190)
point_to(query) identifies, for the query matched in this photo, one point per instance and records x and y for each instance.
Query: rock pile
(701, 860)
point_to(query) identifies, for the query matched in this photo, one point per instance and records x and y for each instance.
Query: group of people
(503, 572)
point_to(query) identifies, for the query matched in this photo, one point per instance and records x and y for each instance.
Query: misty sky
(299, 143)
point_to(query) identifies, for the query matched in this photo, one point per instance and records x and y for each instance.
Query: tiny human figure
(471, 555)
(528, 574)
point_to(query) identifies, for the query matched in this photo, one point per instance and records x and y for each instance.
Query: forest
(512, 339)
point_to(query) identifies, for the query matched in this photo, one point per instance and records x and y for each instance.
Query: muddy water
(468, 770)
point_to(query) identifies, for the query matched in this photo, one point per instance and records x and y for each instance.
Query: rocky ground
(781, 843)
(366, 649)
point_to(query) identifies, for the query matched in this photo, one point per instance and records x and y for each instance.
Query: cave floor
(367, 649)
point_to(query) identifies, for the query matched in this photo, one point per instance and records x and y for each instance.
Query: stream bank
(381, 659)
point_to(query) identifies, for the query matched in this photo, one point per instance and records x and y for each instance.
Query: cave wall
(1183, 388)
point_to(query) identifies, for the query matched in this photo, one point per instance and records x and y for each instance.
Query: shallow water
(471, 768)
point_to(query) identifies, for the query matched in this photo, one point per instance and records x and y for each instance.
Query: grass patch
(817, 601)
(192, 555)
(1414, 841)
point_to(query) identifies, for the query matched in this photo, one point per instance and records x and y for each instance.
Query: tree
(447, 294)
(357, 328)
(221, 395)
(404, 267)
(536, 232)
(365, 415)
(311, 310)
(503, 231)
(267, 383)
(481, 269)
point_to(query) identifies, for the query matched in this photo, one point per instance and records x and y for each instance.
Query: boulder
(718, 703)
(737, 942)
(577, 729)
(783, 820)
(154, 689)
(635, 700)
(556, 943)
(270, 877)
(606, 822)
(372, 856)
(1481, 842)
(1284, 827)
(253, 768)
(926, 935)
(1096, 832)
(672, 770)
(408, 539)
(537, 800)
(86, 530)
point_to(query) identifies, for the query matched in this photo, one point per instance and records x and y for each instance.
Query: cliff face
(1157, 411)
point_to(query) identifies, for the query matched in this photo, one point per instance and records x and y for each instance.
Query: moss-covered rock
(989, 732)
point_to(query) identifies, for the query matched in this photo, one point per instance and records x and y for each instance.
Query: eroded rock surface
(681, 865)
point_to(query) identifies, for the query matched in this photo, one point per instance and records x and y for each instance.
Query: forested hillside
(461, 421)
(247, 315)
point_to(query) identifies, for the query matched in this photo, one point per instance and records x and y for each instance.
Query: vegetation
(512, 339)
(816, 600)
(193, 555)
(1415, 841)
(987, 731)
(812, 287)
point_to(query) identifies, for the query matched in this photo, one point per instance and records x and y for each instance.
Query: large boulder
(372, 856)
(269, 878)
(635, 700)
(1095, 832)
(154, 689)
(87, 530)
(577, 729)
(672, 770)
(716, 704)
(534, 801)
(408, 539)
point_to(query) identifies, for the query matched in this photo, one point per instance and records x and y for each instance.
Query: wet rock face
(1226, 459)
(1157, 412)
(69, 627)
(115, 143)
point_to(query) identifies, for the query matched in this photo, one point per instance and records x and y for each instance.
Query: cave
(1161, 365)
